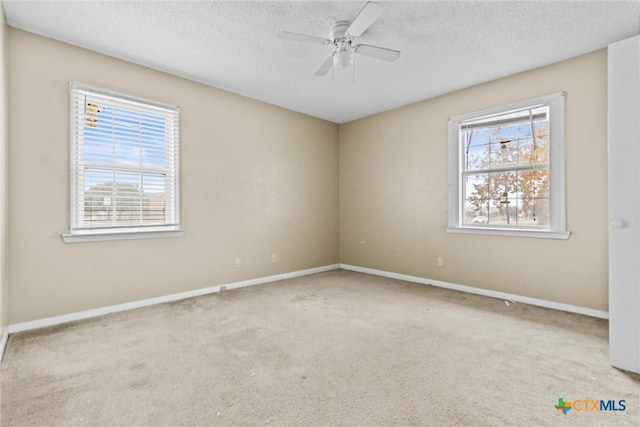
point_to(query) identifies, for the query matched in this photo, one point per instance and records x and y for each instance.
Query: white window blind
(124, 163)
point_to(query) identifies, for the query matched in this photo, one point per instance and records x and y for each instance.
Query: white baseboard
(80, 315)
(478, 291)
(3, 342)
(57, 320)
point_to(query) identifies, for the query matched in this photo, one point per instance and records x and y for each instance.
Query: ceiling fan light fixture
(343, 58)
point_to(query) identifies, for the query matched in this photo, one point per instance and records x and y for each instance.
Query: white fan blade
(367, 16)
(377, 52)
(302, 38)
(326, 66)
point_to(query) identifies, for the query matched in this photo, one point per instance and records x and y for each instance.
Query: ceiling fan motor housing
(338, 30)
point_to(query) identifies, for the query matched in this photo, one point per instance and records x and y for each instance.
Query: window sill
(486, 231)
(120, 235)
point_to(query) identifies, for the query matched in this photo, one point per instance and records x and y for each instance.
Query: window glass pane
(126, 137)
(119, 135)
(477, 199)
(541, 152)
(513, 198)
(491, 198)
(507, 140)
(98, 198)
(503, 190)
(504, 150)
(153, 135)
(477, 148)
(115, 198)
(127, 196)
(153, 199)
(98, 145)
(535, 195)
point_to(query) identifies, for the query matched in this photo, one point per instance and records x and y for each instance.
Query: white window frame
(77, 233)
(557, 193)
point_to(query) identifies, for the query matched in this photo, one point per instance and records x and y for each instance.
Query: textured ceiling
(233, 45)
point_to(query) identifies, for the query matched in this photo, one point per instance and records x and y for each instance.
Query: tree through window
(508, 167)
(506, 162)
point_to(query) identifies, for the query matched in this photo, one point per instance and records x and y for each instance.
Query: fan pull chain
(332, 67)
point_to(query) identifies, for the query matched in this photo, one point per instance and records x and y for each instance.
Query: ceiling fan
(342, 35)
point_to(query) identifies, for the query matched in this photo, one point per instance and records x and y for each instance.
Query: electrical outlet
(237, 262)
(440, 261)
(274, 258)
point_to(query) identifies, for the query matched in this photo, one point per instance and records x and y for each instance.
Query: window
(507, 170)
(124, 167)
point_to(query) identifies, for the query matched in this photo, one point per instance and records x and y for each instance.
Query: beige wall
(258, 179)
(255, 179)
(4, 262)
(393, 192)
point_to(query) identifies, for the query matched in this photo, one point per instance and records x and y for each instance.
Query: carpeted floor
(336, 348)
